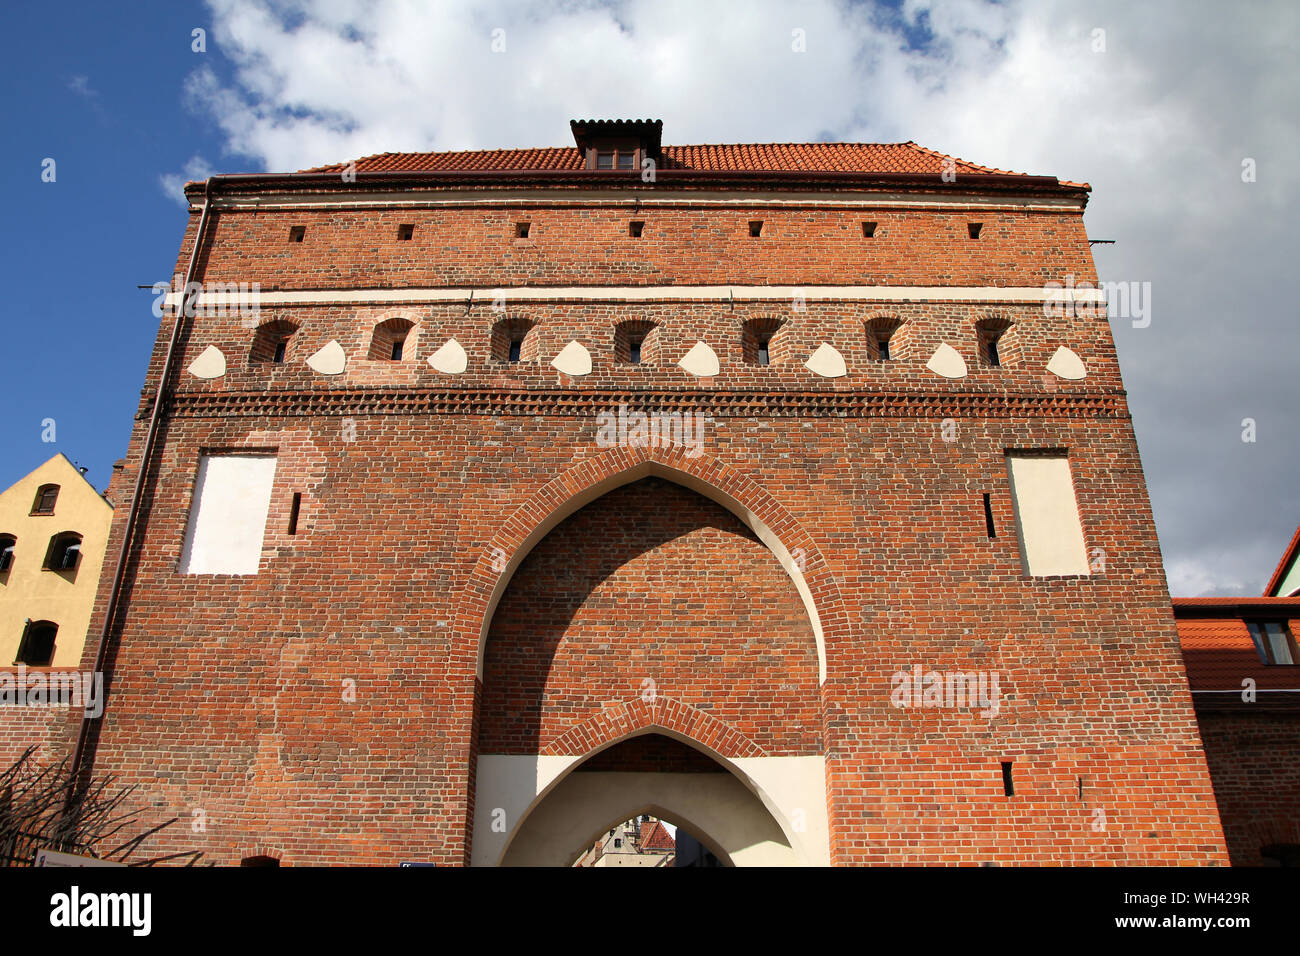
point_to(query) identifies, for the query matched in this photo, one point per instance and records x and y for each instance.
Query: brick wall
(23, 727)
(459, 247)
(651, 582)
(1251, 751)
(232, 695)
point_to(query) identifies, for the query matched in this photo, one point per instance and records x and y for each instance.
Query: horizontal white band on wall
(661, 293)
(1259, 690)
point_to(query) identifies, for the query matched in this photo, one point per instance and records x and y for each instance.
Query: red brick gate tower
(495, 497)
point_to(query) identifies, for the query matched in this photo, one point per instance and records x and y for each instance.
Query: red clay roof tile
(655, 836)
(1219, 654)
(750, 157)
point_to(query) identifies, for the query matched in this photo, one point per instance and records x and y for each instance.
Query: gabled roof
(58, 463)
(1283, 566)
(885, 158)
(655, 836)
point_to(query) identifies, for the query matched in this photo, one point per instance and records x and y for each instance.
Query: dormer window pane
(627, 160)
(604, 160)
(1272, 641)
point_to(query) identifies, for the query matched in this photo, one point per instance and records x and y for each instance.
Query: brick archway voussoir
(615, 722)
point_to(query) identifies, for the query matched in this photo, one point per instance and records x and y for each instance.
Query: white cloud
(1195, 578)
(1158, 123)
(173, 184)
(81, 86)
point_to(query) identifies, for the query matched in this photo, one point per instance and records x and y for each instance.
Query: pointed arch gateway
(787, 790)
(746, 818)
(578, 487)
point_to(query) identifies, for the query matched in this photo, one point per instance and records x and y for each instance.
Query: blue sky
(99, 94)
(1158, 118)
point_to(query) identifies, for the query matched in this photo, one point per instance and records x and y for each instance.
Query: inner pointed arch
(792, 565)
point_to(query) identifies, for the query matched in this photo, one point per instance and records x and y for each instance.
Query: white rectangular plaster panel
(1047, 515)
(232, 495)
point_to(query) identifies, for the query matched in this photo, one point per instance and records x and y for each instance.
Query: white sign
(52, 858)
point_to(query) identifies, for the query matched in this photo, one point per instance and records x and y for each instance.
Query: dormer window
(617, 145)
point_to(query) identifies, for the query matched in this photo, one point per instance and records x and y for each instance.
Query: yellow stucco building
(53, 533)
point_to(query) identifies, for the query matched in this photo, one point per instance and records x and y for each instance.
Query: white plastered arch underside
(746, 814)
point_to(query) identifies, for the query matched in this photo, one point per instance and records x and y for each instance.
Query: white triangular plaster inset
(1066, 364)
(947, 361)
(451, 358)
(211, 363)
(701, 361)
(827, 362)
(574, 359)
(330, 360)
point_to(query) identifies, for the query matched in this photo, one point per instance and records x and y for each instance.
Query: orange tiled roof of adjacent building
(1217, 647)
(1219, 653)
(655, 836)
